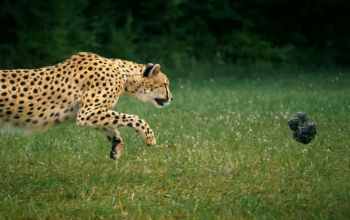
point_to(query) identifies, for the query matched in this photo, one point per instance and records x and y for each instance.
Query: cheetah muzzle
(161, 102)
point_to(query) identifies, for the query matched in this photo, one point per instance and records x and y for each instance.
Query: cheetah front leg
(107, 121)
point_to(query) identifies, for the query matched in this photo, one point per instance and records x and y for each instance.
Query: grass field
(224, 151)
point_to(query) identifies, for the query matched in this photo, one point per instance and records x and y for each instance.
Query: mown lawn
(224, 151)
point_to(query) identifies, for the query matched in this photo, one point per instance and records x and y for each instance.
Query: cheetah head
(153, 87)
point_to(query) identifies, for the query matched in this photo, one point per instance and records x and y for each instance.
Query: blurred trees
(37, 32)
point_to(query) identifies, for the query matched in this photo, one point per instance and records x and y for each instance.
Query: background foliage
(309, 32)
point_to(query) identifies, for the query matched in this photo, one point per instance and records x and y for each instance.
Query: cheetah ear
(151, 70)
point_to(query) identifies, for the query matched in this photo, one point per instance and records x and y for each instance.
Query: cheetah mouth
(161, 102)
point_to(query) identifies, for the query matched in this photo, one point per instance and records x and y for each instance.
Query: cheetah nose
(171, 98)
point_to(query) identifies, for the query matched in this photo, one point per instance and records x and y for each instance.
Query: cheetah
(83, 88)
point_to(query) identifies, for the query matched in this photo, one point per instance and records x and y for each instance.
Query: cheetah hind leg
(117, 145)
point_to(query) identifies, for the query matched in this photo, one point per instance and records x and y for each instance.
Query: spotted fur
(83, 88)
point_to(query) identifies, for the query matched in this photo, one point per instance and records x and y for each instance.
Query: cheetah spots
(51, 95)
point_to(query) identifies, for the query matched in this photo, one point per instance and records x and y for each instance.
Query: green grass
(224, 151)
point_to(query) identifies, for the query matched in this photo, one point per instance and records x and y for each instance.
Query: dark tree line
(303, 32)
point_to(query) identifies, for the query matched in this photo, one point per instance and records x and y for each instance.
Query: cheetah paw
(115, 155)
(117, 148)
(150, 141)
